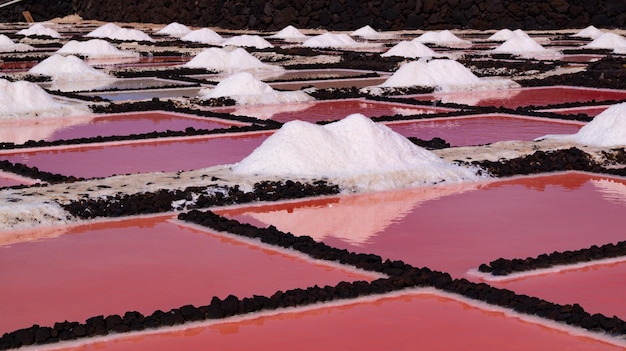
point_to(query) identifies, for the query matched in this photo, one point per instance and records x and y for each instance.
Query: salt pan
(410, 49)
(355, 152)
(246, 40)
(174, 29)
(204, 36)
(39, 29)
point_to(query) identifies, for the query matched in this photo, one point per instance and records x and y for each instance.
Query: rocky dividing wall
(338, 14)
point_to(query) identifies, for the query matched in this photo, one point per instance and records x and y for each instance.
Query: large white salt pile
(367, 32)
(126, 34)
(95, 48)
(244, 88)
(204, 36)
(444, 37)
(608, 129)
(607, 41)
(104, 31)
(520, 44)
(25, 99)
(60, 67)
(174, 29)
(225, 60)
(502, 35)
(246, 40)
(289, 33)
(332, 40)
(589, 32)
(39, 29)
(410, 49)
(7, 45)
(355, 152)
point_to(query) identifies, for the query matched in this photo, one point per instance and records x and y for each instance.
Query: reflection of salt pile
(269, 111)
(247, 90)
(95, 48)
(589, 32)
(69, 73)
(612, 190)
(607, 129)
(607, 41)
(246, 40)
(289, 33)
(39, 29)
(204, 36)
(25, 99)
(355, 219)
(174, 29)
(445, 75)
(354, 152)
(444, 37)
(225, 60)
(332, 40)
(473, 98)
(7, 45)
(411, 49)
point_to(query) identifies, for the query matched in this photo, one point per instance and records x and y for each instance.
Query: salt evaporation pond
(106, 125)
(456, 228)
(330, 110)
(97, 160)
(141, 264)
(590, 111)
(486, 129)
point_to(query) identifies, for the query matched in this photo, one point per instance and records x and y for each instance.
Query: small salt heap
(246, 40)
(608, 41)
(60, 67)
(95, 48)
(589, 32)
(7, 45)
(289, 33)
(225, 60)
(608, 129)
(356, 153)
(39, 29)
(332, 40)
(444, 37)
(244, 88)
(126, 34)
(523, 45)
(104, 31)
(367, 32)
(410, 49)
(203, 36)
(502, 35)
(174, 29)
(25, 99)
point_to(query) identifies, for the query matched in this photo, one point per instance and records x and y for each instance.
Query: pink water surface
(139, 265)
(590, 111)
(145, 156)
(410, 322)
(483, 129)
(455, 229)
(7, 181)
(513, 98)
(330, 110)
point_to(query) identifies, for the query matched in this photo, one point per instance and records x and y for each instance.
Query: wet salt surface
(141, 264)
(513, 98)
(329, 110)
(464, 131)
(400, 322)
(455, 229)
(140, 156)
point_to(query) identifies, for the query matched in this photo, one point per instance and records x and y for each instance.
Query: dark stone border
(503, 266)
(400, 276)
(34, 173)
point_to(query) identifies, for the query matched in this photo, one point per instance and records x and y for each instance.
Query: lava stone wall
(338, 14)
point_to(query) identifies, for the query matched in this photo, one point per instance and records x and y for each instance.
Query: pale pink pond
(329, 110)
(513, 98)
(78, 272)
(408, 322)
(457, 227)
(143, 156)
(477, 130)
(20, 131)
(6, 180)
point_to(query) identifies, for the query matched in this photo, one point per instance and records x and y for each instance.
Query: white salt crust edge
(562, 327)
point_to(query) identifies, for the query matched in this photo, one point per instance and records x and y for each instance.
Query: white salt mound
(608, 129)
(502, 35)
(332, 40)
(126, 34)
(39, 29)
(7, 45)
(289, 32)
(244, 88)
(589, 32)
(410, 49)
(25, 99)
(204, 36)
(104, 31)
(95, 48)
(246, 40)
(607, 41)
(444, 37)
(368, 32)
(519, 44)
(225, 60)
(355, 152)
(69, 68)
(174, 29)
